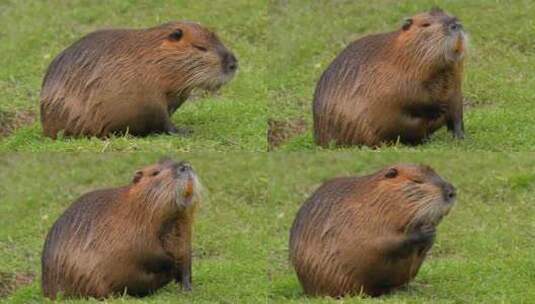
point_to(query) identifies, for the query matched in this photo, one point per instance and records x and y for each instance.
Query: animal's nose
(183, 167)
(449, 192)
(230, 62)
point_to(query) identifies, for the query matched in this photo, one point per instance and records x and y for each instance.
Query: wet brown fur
(133, 239)
(124, 80)
(368, 234)
(402, 85)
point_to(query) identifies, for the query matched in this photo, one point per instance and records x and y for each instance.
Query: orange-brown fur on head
(397, 86)
(161, 184)
(125, 80)
(134, 238)
(198, 51)
(426, 41)
(354, 234)
(409, 196)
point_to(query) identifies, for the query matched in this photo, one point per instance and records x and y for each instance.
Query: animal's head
(414, 195)
(434, 36)
(191, 56)
(168, 182)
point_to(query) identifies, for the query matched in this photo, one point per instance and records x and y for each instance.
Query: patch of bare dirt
(11, 281)
(281, 131)
(11, 121)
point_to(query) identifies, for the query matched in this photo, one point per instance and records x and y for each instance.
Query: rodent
(368, 234)
(119, 81)
(132, 239)
(397, 86)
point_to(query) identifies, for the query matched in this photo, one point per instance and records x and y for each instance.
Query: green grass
(32, 33)
(283, 47)
(229, 240)
(307, 35)
(485, 248)
(484, 251)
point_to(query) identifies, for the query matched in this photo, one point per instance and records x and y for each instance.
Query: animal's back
(74, 77)
(63, 251)
(315, 231)
(341, 92)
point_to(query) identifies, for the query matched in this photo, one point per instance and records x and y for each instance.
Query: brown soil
(281, 131)
(10, 121)
(10, 281)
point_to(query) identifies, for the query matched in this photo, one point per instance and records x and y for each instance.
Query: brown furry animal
(123, 80)
(132, 239)
(402, 85)
(368, 234)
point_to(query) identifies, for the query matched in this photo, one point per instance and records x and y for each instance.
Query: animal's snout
(230, 63)
(183, 167)
(449, 192)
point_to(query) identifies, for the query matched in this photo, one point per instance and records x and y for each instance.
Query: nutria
(133, 239)
(131, 81)
(398, 86)
(368, 234)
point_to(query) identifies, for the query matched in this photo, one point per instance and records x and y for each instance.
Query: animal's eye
(155, 173)
(426, 24)
(406, 24)
(176, 35)
(200, 48)
(417, 181)
(137, 176)
(391, 173)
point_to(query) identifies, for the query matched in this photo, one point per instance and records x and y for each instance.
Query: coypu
(132, 239)
(403, 85)
(124, 80)
(368, 234)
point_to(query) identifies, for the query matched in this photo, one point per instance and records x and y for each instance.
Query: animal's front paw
(180, 131)
(459, 134)
(184, 131)
(186, 286)
(425, 236)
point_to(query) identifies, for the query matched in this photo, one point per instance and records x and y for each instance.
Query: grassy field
(33, 32)
(499, 86)
(283, 50)
(484, 252)
(229, 242)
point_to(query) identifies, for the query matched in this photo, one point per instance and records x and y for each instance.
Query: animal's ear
(436, 10)
(391, 173)
(165, 159)
(406, 24)
(176, 35)
(137, 177)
